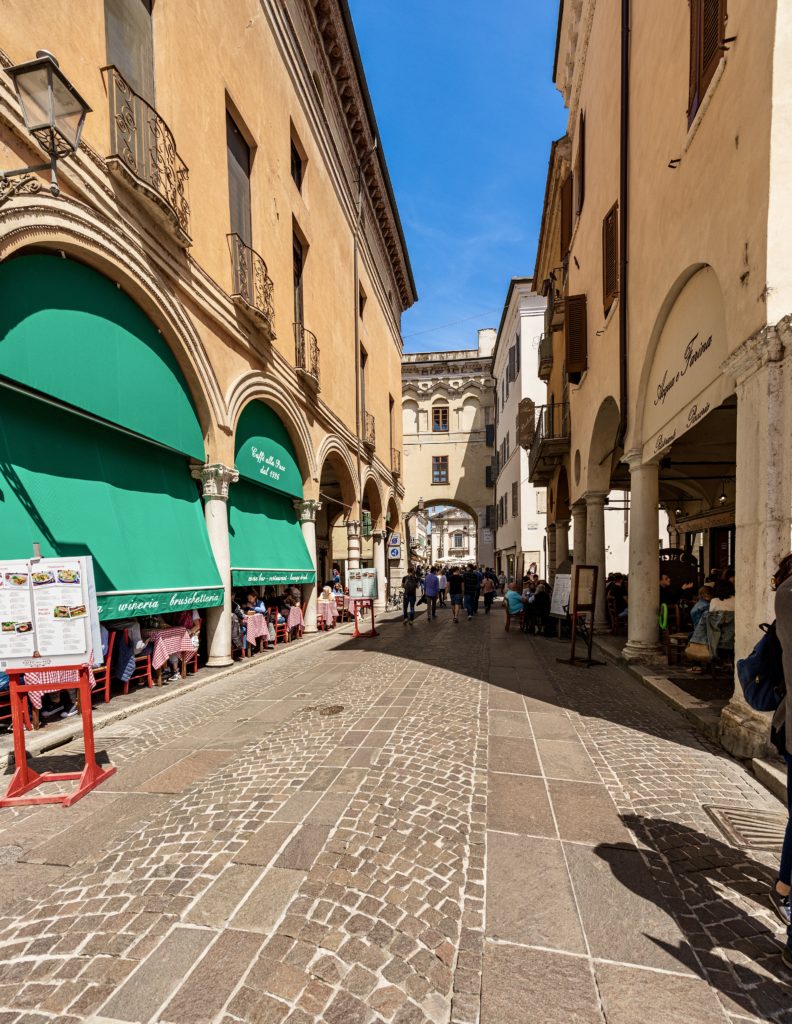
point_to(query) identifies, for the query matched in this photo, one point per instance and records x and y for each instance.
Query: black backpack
(409, 584)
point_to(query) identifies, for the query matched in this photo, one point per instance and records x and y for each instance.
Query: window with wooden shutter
(238, 153)
(515, 499)
(575, 337)
(580, 165)
(512, 375)
(707, 30)
(610, 257)
(566, 216)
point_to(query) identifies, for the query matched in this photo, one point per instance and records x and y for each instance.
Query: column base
(310, 629)
(638, 650)
(219, 662)
(743, 732)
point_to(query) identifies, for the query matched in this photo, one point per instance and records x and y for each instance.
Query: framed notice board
(583, 604)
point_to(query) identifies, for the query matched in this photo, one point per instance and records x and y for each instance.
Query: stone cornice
(767, 345)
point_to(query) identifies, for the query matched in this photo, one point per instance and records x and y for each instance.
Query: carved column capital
(353, 527)
(306, 510)
(215, 479)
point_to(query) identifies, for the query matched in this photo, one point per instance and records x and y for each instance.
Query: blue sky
(466, 111)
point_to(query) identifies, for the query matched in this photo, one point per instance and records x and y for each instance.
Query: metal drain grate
(331, 709)
(750, 829)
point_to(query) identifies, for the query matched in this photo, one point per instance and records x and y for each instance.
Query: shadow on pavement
(713, 892)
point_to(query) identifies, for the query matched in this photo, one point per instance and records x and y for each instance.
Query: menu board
(48, 613)
(362, 583)
(562, 589)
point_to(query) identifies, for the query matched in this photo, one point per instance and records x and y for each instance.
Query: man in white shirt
(443, 587)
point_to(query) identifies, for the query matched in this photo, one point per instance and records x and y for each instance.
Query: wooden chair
(142, 670)
(5, 711)
(281, 628)
(103, 675)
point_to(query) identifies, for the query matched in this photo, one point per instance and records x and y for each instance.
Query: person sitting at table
(327, 599)
(337, 588)
(722, 597)
(701, 606)
(191, 621)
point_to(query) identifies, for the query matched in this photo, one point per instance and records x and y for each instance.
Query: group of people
(462, 588)
(274, 603)
(531, 605)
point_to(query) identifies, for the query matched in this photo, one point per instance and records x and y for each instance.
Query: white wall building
(520, 508)
(453, 537)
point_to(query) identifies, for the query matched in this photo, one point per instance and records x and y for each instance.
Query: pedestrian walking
(431, 592)
(513, 604)
(488, 590)
(455, 589)
(443, 587)
(782, 737)
(470, 583)
(502, 583)
(410, 590)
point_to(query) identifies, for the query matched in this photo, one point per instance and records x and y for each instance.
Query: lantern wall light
(54, 114)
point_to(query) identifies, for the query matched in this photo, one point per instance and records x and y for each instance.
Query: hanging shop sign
(686, 382)
(362, 583)
(48, 613)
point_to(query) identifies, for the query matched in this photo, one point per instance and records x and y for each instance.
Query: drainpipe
(624, 182)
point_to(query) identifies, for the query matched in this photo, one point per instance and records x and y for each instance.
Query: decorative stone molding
(768, 345)
(215, 479)
(306, 510)
(353, 528)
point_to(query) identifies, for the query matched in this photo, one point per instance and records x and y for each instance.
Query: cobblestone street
(479, 833)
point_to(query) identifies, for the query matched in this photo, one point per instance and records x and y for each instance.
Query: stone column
(644, 574)
(562, 541)
(307, 510)
(550, 530)
(353, 543)
(595, 551)
(214, 479)
(578, 511)
(378, 538)
(762, 509)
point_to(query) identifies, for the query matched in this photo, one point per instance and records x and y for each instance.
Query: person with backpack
(455, 587)
(471, 584)
(410, 589)
(782, 738)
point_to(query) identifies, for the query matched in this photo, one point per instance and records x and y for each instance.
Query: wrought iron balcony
(550, 442)
(396, 461)
(545, 356)
(306, 355)
(251, 287)
(369, 434)
(143, 155)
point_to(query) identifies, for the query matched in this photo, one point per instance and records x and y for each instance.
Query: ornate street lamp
(54, 114)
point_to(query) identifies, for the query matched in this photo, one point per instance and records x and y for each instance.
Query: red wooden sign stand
(24, 778)
(369, 601)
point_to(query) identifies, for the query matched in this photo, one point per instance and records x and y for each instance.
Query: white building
(453, 537)
(520, 507)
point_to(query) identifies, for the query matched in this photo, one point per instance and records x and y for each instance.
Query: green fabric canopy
(267, 545)
(69, 332)
(80, 488)
(264, 451)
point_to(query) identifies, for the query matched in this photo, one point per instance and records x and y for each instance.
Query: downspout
(624, 199)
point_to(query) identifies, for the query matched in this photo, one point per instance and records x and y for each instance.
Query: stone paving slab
(482, 835)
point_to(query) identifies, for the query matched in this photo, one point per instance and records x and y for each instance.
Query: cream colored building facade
(228, 143)
(665, 255)
(448, 415)
(453, 538)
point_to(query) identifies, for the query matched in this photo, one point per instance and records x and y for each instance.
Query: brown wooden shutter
(566, 216)
(610, 257)
(580, 164)
(575, 337)
(713, 29)
(695, 22)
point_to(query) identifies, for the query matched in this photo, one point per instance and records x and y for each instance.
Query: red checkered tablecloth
(54, 677)
(165, 642)
(295, 620)
(327, 610)
(256, 627)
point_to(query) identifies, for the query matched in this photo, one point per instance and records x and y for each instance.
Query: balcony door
(239, 181)
(130, 43)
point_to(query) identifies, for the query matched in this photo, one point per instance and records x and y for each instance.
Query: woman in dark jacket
(782, 736)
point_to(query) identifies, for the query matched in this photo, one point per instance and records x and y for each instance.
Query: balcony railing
(306, 354)
(545, 356)
(251, 284)
(369, 434)
(143, 151)
(550, 442)
(396, 461)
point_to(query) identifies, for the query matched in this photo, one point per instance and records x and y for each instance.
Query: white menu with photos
(48, 613)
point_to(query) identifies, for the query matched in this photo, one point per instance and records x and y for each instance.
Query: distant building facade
(453, 538)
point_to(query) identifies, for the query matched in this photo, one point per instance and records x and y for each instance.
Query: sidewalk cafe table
(164, 643)
(327, 611)
(55, 678)
(257, 628)
(295, 619)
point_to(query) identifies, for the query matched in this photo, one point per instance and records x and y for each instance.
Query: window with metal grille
(440, 418)
(439, 469)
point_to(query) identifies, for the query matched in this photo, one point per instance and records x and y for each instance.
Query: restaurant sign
(264, 452)
(686, 382)
(271, 577)
(114, 605)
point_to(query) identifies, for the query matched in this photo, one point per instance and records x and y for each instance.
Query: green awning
(266, 540)
(69, 332)
(78, 488)
(264, 452)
